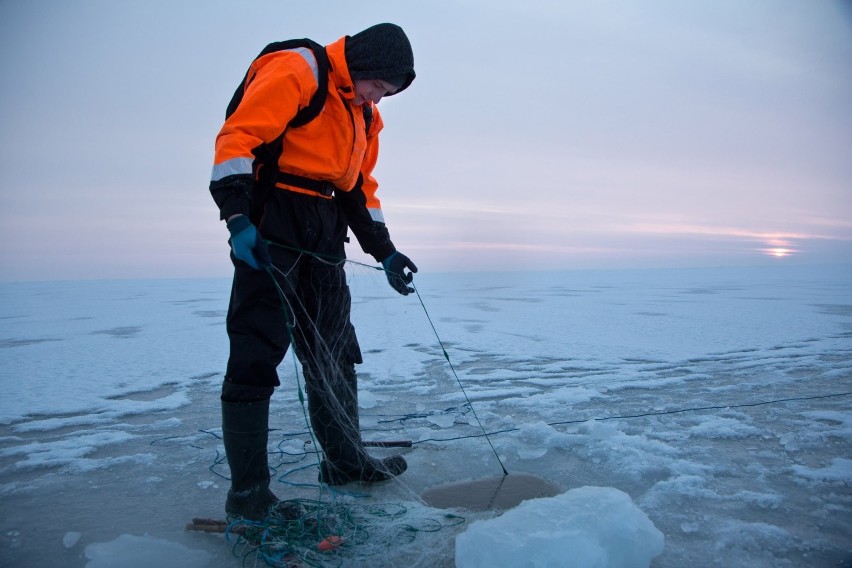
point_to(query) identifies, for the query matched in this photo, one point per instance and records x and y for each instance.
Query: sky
(538, 135)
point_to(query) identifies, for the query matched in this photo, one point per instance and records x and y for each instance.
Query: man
(288, 222)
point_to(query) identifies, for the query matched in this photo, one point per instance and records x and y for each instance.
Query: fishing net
(345, 520)
(339, 531)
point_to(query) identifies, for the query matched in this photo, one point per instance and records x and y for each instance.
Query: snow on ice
(712, 407)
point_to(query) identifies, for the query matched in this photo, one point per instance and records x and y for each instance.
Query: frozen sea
(714, 403)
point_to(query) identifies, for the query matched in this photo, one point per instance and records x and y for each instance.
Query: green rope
(325, 534)
(290, 325)
(650, 414)
(453, 369)
(338, 260)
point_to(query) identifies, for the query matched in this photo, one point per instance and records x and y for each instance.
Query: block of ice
(132, 551)
(589, 527)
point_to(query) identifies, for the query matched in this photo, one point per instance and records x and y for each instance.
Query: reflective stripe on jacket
(333, 147)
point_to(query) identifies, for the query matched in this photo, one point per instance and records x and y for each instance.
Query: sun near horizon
(779, 252)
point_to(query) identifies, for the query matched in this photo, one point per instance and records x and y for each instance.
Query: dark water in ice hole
(494, 493)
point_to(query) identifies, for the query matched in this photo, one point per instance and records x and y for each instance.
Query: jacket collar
(339, 71)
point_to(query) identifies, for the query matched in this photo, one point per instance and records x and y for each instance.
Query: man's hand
(395, 266)
(247, 244)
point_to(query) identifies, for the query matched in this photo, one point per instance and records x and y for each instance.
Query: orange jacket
(333, 147)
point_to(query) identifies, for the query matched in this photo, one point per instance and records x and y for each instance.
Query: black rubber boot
(245, 431)
(370, 470)
(333, 409)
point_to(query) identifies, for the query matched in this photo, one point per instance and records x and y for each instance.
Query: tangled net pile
(313, 533)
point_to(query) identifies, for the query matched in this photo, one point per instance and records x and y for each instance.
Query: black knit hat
(381, 52)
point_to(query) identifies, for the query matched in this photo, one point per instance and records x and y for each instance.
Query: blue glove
(247, 244)
(394, 266)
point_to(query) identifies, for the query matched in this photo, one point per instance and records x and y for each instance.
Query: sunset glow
(779, 252)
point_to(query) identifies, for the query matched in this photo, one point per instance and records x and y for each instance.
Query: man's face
(371, 90)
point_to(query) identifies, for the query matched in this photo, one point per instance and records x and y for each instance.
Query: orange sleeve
(282, 84)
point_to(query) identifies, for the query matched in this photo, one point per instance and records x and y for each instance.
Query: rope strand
(332, 259)
(461, 386)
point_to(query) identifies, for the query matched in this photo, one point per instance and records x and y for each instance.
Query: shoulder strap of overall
(368, 116)
(267, 154)
(317, 101)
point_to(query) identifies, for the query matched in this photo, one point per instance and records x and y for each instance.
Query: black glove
(394, 265)
(247, 244)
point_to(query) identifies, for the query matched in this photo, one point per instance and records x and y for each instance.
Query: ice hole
(495, 493)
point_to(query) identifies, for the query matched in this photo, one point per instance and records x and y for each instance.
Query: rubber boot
(245, 431)
(333, 410)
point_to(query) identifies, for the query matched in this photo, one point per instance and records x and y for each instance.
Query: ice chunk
(366, 399)
(537, 438)
(444, 420)
(70, 539)
(131, 551)
(840, 471)
(723, 428)
(589, 527)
